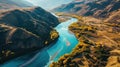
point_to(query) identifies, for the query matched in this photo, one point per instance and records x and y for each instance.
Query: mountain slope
(50, 3)
(23, 30)
(98, 8)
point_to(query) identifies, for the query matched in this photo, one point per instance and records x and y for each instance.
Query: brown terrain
(99, 43)
(96, 8)
(98, 32)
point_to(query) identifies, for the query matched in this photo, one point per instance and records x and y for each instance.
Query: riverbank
(64, 44)
(96, 46)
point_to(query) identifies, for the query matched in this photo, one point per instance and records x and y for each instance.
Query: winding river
(66, 42)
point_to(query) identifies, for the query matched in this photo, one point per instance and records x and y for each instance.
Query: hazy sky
(49, 4)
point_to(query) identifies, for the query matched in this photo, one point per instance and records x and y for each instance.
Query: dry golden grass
(97, 43)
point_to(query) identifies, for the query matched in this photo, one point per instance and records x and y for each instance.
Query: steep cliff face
(7, 4)
(96, 8)
(25, 30)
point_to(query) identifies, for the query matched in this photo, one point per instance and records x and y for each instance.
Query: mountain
(96, 8)
(23, 30)
(7, 4)
(49, 4)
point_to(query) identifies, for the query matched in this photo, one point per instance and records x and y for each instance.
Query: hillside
(23, 30)
(96, 8)
(99, 43)
(98, 33)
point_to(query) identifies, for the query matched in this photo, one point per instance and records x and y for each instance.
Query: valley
(71, 33)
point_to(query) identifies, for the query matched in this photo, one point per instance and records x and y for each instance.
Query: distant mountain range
(96, 8)
(6, 4)
(49, 4)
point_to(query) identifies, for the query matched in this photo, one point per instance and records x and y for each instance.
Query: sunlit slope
(99, 43)
(96, 8)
